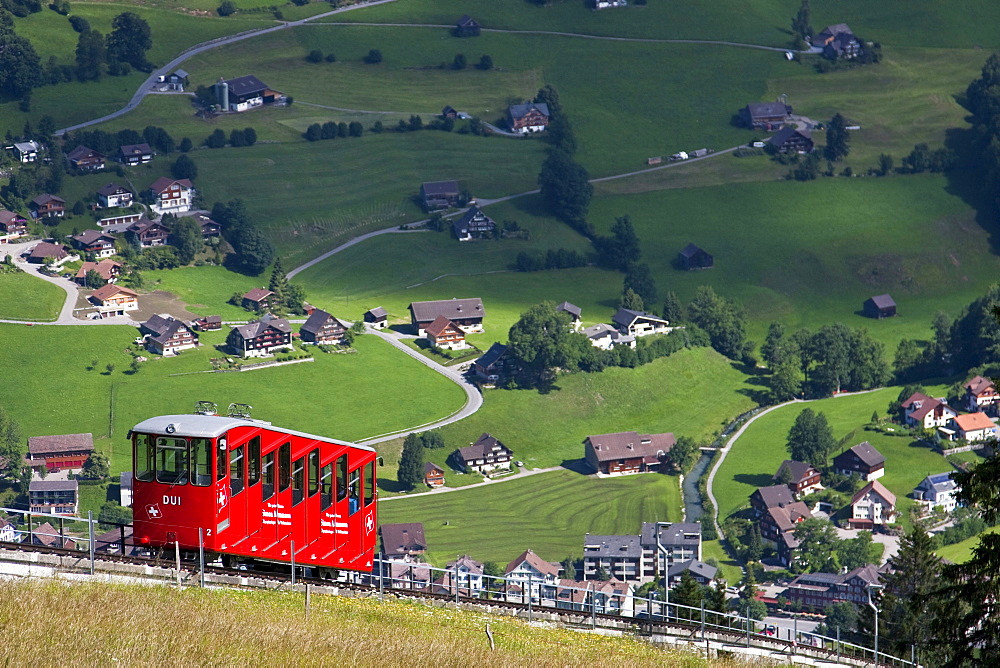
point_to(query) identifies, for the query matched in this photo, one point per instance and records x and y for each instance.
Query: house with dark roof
(467, 27)
(792, 140)
(468, 314)
(980, 395)
(321, 327)
(209, 228)
(528, 117)
(575, 313)
(12, 225)
(433, 475)
(449, 112)
(926, 412)
(606, 337)
(937, 491)
(816, 591)
(165, 335)
(765, 115)
(872, 506)
(111, 542)
(108, 270)
(260, 338)
(474, 224)
(769, 497)
(58, 497)
(171, 195)
(135, 154)
(703, 574)
(48, 206)
(403, 540)
(470, 572)
(619, 557)
(691, 257)
(60, 452)
(147, 233)
(446, 335)
(114, 195)
(861, 460)
(802, 478)
(85, 159)
(440, 195)
(491, 366)
(258, 299)
(838, 41)
(879, 306)
(667, 543)
(25, 151)
(487, 454)
(208, 323)
(377, 318)
(639, 323)
(101, 244)
(56, 254)
(778, 512)
(174, 81)
(626, 452)
(244, 93)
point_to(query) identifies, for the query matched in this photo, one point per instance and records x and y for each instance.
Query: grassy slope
(692, 393)
(549, 513)
(27, 297)
(102, 619)
(959, 553)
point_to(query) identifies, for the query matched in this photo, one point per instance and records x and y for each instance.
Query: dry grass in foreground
(95, 624)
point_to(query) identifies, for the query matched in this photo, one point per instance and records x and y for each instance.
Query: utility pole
(874, 607)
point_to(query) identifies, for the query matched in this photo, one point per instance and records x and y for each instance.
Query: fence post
(456, 581)
(62, 533)
(593, 607)
(381, 578)
(31, 532)
(529, 597)
(201, 556)
(177, 558)
(293, 563)
(308, 596)
(795, 634)
(90, 525)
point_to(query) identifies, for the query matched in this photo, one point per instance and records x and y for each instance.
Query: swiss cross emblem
(369, 523)
(153, 510)
(223, 496)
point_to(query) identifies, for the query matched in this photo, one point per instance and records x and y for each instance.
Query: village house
(114, 195)
(528, 569)
(209, 228)
(838, 41)
(470, 572)
(703, 574)
(667, 543)
(113, 300)
(802, 478)
(626, 452)
(376, 318)
(48, 206)
(135, 154)
(792, 140)
(816, 591)
(125, 489)
(466, 313)
(440, 195)
(639, 323)
(148, 233)
(937, 491)
(606, 337)
(165, 335)
(872, 506)
(56, 255)
(108, 270)
(433, 475)
(59, 453)
(980, 393)
(467, 27)
(174, 81)
(527, 118)
(491, 366)
(926, 412)
(474, 224)
(618, 557)
(449, 112)
(778, 513)
(112, 542)
(879, 306)
(25, 151)
(400, 541)
(406, 573)
(47, 535)
(861, 460)
(11, 225)
(58, 497)
(84, 159)
(260, 338)
(603, 598)
(244, 93)
(691, 257)
(8, 532)
(444, 334)
(258, 299)
(208, 323)
(971, 427)
(765, 115)
(321, 327)
(101, 244)
(575, 313)
(171, 195)
(487, 454)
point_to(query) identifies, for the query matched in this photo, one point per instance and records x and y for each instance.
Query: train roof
(213, 426)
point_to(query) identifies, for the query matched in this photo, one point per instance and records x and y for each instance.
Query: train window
(253, 461)
(284, 466)
(354, 491)
(313, 472)
(221, 458)
(298, 480)
(236, 470)
(341, 477)
(201, 462)
(369, 483)
(326, 487)
(267, 488)
(144, 458)
(171, 460)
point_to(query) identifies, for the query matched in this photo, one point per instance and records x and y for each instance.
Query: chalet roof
(787, 516)
(522, 110)
(465, 561)
(9, 217)
(471, 215)
(255, 328)
(602, 329)
(45, 445)
(210, 319)
(246, 85)
(440, 188)
(53, 486)
(938, 482)
(403, 538)
(799, 470)
(786, 133)
(483, 446)
(916, 397)
(572, 309)
(536, 562)
(180, 74)
(257, 294)
(46, 534)
(883, 301)
(767, 109)
(925, 406)
(866, 453)
(82, 152)
(136, 149)
(163, 328)
(836, 29)
(448, 109)
(378, 313)
(143, 225)
(318, 320)
(625, 317)
(453, 309)
(611, 546)
(973, 421)
(106, 268)
(44, 249)
(45, 198)
(112, 189)
(110, 290)
(695, 567)
(677, 534)
(629, 444)
(690, 251)
(431, 467)
(492, 355)
(878, 488)
(26, 146)
(88, 237)
(440, 325)
(979, 385)
(775, 495)
(163, 183)
(467, 22)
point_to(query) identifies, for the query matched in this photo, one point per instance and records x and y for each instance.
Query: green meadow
(548, 513)
(27, 297)
(959, 553)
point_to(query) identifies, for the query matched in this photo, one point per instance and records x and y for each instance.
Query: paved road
(523, 473)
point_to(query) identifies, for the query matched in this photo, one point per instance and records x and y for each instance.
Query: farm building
(467, 27)
(626, 452)
(60, 452)
(791, 140)
(443, 333)
(691, 257)
(474, 224)
(449, 112)
(321, 327)
(377, 317)
(85, 159)
(148, 233)
(485, 455)
(765, 115)
(862, 460)
(440, 194)
(259, 338)
(244, 93)
(466, 313)
(528, 117)
(135, 154)
(26, 151)
(403, 540)
(879, 306)
(257, 299)
(165, 335)
(56, 253)
(433, 475)
(491, 365)
(574, 311)
(171, 195)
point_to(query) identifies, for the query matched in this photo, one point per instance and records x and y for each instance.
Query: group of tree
(801, 26)
(566, 190)
(253, 252)
(288, 297)
(20, 66)
(108, 143)
(331, 130)
(838, 139)
(410, 472)
(810, 439)
(823, 551)
(316, 56)
(553, 258)
(923, 159)
(237, 138)
(724, 320)
(13, 448)
(982, 98)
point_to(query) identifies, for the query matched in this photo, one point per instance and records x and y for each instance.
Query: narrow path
(524, 473)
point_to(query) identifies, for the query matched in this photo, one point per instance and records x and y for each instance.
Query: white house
(125, 489)
(171, 195)
(980, 393)
(26, 151)
(926, 412)
(639, 323)
(937, 490)
(8, 534)
(872, 505)
(973, 427)
(606, 337)
(114, 195)
(470, 573)
(530, 570)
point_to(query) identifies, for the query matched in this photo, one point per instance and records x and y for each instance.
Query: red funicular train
(256, 491)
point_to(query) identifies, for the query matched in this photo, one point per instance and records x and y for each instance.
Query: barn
(880, 306)
(692, 257)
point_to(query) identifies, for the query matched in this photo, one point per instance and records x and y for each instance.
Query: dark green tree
(689, 593)
(673, 309)
(129, 40)
(837, 139)
(755, 544)
(885, 164)
(723, 320)
(460, 62)
(842, 615)
(622, 248)
(374, 57)
(566, 190)
(640, 280)
(217, 139)
(831, 354)
(13, 447)
(819, 542)
(185, 235)
(801, 27)
(548, 95)
(778, 347)
(485, 63)
(315, 56)
(91, 55)
(785, 381)
(683, 454)
(539, 340)
(113, 514)
(20, 66)
(561, 134)
(93, 279)
(184, 167)
(96, 467)
(278, 283)
(810, 439)
(315, 132)
(355, 129)
(411, 462)
(227, 8)
(631, 300)
(249, 136)
(186, 145)
(856, 552)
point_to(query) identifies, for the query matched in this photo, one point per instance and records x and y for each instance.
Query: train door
(338, 513)
(355, 516)
(283, 499)
(237, 493)
(311, 506)
(268, 493)
(253, 489)
(298, 531)
(222, 509)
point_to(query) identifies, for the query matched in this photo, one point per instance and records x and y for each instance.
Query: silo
(222, 93)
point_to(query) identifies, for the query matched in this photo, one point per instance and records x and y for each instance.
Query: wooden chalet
(467, 27)
(107, 269)
(135, 154)
(474, 224)
(26, 151)
(209, 228)
(101, 244)
(980, 394)
(466, 313)
(792, 140)
(765, 115)
(872, 506)
(449, 112)
(171, 195)
(60, 452)
(48, 206)
(802, 478)
(440, 195)
(861, 460)
(85, 159)
(838, 41)
(12, 225)
(321, 327)
(639, 323)
(165, 335)
(879, 306)
(260, 338)
(485, 455)
(527, 118)
(575, 313)
(114, 195)
(403, 540)
(44, 251)
(377, 318)
(114, 300)
(627, 452)
(433, 475)
(148, 233)
(208, 323)
(258, 299)
(691, 257)
(444, 334)
(490, 367)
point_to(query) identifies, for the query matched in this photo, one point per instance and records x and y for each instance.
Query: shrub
(79, 24)
(331, 58)
(374, 57)
(315, 56)
(227, 8)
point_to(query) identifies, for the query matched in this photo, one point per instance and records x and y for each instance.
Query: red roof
(163, 183)
(973, 421)
(440, 325)
(878, 488)
(110, 290)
